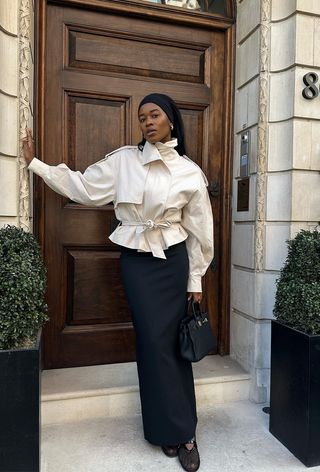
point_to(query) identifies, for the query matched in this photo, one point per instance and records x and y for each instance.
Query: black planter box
(295, 392)
(20, 372)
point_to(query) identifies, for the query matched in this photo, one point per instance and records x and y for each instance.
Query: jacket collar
(150, 152)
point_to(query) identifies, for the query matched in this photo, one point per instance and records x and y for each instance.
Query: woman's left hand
(196, 296)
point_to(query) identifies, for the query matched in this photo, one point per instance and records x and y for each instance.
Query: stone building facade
(277, 43)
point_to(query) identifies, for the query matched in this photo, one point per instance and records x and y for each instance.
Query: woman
(166, 239)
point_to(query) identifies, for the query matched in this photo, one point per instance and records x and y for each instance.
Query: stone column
(251, 286)
(26, 74)
(16, 63)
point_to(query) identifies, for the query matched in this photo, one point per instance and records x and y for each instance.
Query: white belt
(150, 225)
(147, 225)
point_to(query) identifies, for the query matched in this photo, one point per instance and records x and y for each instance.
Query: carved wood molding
(262, 134)
(154, 11)
(25, 119)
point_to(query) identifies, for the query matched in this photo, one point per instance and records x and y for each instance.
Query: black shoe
(170, 451)
(189, 459)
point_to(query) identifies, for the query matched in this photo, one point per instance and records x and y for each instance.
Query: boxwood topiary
(22, 286)
(297, 301)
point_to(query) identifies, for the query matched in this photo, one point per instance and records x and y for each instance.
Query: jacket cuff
(37, 166)
(194, 283)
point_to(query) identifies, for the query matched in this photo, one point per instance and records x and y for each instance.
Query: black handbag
(195, 334)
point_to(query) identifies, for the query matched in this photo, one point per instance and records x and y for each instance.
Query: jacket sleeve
(197, 220)
(94, 187)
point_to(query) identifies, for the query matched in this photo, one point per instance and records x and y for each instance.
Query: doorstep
(81, 393)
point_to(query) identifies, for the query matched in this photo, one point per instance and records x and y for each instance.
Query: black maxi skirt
(156, 290)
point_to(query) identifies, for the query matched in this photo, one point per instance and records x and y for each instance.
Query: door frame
(136, 8)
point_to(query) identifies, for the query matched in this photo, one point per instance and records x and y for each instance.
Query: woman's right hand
(28, 147)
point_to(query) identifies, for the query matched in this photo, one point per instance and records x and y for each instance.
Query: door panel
(94, 116)
(88, 269)
(95, 76)
(110, 54)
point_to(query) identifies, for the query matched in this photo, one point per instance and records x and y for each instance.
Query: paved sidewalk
(232, 437)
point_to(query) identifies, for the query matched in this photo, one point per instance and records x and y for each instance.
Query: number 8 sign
(311, 90)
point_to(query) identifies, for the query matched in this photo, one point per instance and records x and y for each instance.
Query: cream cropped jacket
(159, 197)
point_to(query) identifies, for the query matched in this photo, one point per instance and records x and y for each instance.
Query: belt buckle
(149, 224)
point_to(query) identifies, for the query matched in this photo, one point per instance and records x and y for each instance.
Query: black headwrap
(172, 111)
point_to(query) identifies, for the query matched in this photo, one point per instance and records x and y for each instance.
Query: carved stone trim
(262, 134)
(25, 118)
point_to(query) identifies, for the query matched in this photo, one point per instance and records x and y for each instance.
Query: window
(210, 6)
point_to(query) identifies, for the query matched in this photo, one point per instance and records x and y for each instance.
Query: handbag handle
(196, 310)
(198, 316)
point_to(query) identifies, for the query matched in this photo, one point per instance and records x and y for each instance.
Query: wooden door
(97, 67)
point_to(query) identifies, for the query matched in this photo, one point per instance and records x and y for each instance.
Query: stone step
(78, 393)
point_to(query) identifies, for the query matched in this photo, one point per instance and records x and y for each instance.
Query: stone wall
(277, 43)
(16, 110)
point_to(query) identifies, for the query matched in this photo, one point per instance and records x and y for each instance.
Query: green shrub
(297, 302)
(22, 287)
